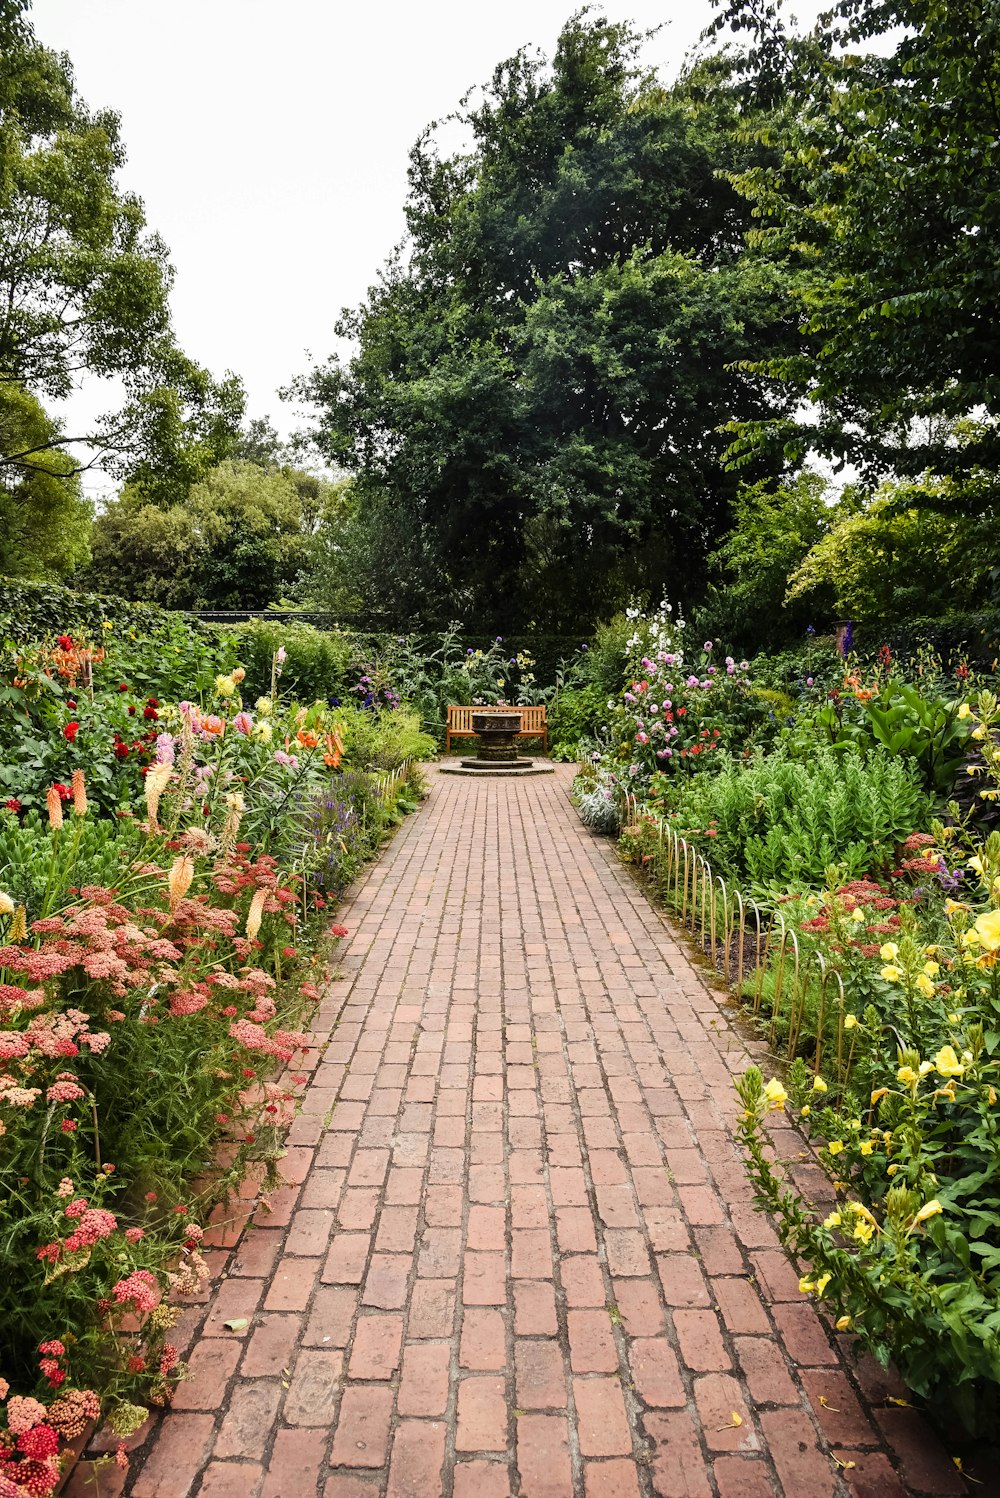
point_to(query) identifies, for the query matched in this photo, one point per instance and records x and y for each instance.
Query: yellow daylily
(947, 1064)
(775, 1094)
(987, 928)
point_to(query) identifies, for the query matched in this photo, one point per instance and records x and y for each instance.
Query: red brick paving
(518, 1259)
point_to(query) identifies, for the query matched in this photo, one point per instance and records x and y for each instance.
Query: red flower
(131, 709)
(152, 701)
(338, 931)
(13, 805)
(71, 704)
(149, 713)
(123, 686)
(63, 791)
(68, 1126)
(65, 642)
(120, 750)
(71, 730)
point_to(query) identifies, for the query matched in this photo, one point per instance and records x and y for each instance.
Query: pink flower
(141, 1288)
(243, 723)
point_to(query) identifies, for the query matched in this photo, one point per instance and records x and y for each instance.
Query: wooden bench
(533, 725)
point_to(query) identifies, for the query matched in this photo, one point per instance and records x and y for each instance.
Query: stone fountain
(496, 748)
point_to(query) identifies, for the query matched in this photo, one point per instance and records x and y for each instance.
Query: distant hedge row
(322, 655)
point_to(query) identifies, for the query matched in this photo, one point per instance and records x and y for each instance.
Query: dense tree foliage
(884, 203)
(534, 406)
(84, 284)
(776, 527)
(44, 519)
(243, 537)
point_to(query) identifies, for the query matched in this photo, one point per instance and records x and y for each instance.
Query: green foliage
(383, 740)
(318, 663)
(241, 538)
(882, 203)
(532, 410)
(912, 720)
(776, 527)
(777, 822)
(574, 717)
(85, 285)
(44, 518)
(909, 550)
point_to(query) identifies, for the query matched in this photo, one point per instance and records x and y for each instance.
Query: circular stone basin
(497, 734)
(496, 723)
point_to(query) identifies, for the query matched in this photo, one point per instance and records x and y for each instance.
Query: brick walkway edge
(516, 1255)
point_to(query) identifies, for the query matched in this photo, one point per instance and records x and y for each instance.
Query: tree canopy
(883, 202)
(243, 537)
(84, 283)
(539, 383)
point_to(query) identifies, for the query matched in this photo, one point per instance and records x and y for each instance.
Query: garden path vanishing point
(516, 1254)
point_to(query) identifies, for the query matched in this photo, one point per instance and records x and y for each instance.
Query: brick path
(516, 1254)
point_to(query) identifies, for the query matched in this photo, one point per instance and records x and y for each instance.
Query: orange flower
(307, 738)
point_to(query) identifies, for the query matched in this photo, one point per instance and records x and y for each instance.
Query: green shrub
(318, 663)
(777, 822)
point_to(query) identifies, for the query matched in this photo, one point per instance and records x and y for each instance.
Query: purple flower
(707, 645)
(165, 749)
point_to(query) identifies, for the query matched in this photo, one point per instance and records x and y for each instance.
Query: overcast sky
(269, 144)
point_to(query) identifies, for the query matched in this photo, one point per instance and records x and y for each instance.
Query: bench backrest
(532, 718)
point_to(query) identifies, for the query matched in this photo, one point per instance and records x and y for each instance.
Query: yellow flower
(965, 711)
(947, 1064)
(262, 730)
(892, 974)
(822, 1283)
(7, 906)
(833, 1221)
(929, 1209)
(988, 929)
(264, 706)
(953, 1019)
(863, 1232)
(880, 1092)
(979, 733)
(857, 914)
(819, 1085)
(775, 1094)
(932, 969)
(952, 907)
(891, 1170)
(888, 951)
(976, 864)
(805, 1111)
(806, 1285)
(843, 1322)
(850, 1020)
(835, 1146)
(867, 1147)
(908, 1076)
(925, 985)
(225, 686)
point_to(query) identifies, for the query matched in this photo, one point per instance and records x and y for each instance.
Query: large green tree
(84, 284)
(243, 537)
(883, 201)
(44, 517)
(535, 402)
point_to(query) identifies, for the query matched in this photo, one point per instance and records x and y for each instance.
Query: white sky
(269, 144)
